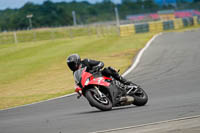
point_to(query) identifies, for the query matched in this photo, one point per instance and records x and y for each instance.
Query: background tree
(60, 14)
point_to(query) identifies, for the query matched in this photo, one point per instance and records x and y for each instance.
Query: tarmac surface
(187, 125)
(169, 71)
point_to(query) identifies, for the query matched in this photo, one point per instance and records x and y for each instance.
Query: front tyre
(140, 97)
(102, 103)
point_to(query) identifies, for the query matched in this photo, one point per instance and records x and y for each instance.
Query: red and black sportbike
(106, 92)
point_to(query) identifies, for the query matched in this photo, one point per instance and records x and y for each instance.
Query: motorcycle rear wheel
(140, 97)
(103, 104)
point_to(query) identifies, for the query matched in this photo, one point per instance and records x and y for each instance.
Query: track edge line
(39, 102)
(139, 56)
(148, 124)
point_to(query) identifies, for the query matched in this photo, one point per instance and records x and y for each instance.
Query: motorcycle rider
(74, 62)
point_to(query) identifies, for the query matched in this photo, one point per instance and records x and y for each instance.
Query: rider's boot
(118, 77)
(124, 84)
(124, 81)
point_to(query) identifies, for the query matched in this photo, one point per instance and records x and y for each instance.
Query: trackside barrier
(140, 28)
(167, 25)
(159, 26)
(198, 19)
(195, 20)
(155, 27)
(126, 30)
(178, 24)
(187, 22)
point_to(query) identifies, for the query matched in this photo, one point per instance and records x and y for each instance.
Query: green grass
(56, 33)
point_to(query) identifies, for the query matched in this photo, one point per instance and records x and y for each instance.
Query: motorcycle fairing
(99, 81)
(95, 81)
(85, 75)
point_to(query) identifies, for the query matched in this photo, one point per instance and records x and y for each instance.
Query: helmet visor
(73, 66)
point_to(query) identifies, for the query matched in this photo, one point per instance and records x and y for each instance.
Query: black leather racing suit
(108, 71)
(91, 64)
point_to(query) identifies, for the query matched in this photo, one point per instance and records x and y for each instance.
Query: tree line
(51, 14)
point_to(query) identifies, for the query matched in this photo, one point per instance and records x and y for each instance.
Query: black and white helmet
(73, 61)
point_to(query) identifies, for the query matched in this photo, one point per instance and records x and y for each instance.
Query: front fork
(99, 92)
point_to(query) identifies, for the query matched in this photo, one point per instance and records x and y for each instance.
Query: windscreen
(77, 75)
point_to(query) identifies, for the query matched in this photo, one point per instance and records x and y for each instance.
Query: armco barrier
(158, 26)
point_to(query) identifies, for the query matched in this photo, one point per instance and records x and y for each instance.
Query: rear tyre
(140, 97)
(103, 104)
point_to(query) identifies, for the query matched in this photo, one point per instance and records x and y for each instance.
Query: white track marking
(148, 124)
(40, 102)
(124, 74)
(137, 60)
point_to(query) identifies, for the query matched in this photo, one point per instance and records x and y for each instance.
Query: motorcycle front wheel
(102, 103)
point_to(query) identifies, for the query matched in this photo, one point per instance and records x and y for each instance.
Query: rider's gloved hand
(96, 68)
(78, 90)
(79, 94)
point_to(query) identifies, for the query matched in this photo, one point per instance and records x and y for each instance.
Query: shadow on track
(111, 111)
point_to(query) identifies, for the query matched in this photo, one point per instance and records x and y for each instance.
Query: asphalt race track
(169, 71)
